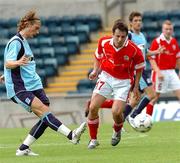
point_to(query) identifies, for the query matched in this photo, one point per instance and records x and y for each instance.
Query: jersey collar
(162, 37)
(124, 45)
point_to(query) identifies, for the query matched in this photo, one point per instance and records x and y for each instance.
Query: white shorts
(171, 81)
(108, 86)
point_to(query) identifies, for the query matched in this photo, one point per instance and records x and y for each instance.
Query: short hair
(167, 22)
(121, 25)
(134, 14)
(29, 18)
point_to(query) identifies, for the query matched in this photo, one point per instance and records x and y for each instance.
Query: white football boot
(76, 134)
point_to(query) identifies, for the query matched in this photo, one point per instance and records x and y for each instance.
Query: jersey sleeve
(99, 51)
(12, 51)
(139, 60)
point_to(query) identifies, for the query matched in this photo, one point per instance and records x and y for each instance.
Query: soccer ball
(142, 122)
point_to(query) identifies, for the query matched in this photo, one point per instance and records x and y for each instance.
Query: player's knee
(93, 109)
(40, 110)
(152, 96)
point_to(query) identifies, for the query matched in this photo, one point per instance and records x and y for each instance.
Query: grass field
(160, 145)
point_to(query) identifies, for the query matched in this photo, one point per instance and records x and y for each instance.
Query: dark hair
(29, 18)
(134, 14)
(121, 25)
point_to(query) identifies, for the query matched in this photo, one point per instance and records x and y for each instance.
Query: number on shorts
(99, 84)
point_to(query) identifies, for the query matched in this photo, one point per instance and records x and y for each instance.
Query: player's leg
(146, 87)
(117, 110)
(43, 112)
(37, 130)
(100, 93)
(150, 106)
(149, 95)
(121, 91)
(93, 119)
(107, 104)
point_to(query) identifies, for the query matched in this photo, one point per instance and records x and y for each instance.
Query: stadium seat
(68, 29)
(72, 39)
(66, 20)
(12, 22)
(33, 42)
(44, 31)
(44, 41)
(80, 19)
(85, 84)
(4, 23)
(4, 33)
(61, 51)
(94, 22)
(53, 63)
(12, 31)
(55, 31)
(47, 52)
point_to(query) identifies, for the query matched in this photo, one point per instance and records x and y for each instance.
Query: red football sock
(93, 127)
(107, 104)
(117, 127)
(149, 109)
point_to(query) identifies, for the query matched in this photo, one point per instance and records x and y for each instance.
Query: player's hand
(160, 76)
(2, 79)
(23, 60)
(161, 49)
(136, 93)
(93, 75)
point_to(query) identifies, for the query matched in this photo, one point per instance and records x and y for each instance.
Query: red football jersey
(119, 62)
(166, 60)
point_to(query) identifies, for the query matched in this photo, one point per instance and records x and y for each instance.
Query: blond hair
(29, 19)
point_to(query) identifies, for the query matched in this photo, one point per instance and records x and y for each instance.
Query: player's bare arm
(156, 69)
(160, 50)
(136, 92)
(13, 64)
(93, 75)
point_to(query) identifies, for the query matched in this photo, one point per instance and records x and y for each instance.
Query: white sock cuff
(29, 140)
(64, 130)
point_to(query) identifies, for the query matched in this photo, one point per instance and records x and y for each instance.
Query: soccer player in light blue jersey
(135, 34)
(24, 85)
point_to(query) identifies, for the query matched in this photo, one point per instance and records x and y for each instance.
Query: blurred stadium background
(64, 51)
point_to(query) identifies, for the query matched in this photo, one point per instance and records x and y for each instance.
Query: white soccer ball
(143, 122)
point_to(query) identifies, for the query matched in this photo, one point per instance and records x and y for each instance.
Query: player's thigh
(96, 101)
(38, 107)
(149, 91)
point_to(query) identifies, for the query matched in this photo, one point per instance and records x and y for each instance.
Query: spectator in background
(164, 77)
(24, 85)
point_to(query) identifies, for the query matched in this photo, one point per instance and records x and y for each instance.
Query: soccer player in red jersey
(117, 57)
(164, 76)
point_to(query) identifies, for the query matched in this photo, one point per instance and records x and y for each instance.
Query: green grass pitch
(160, 145)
